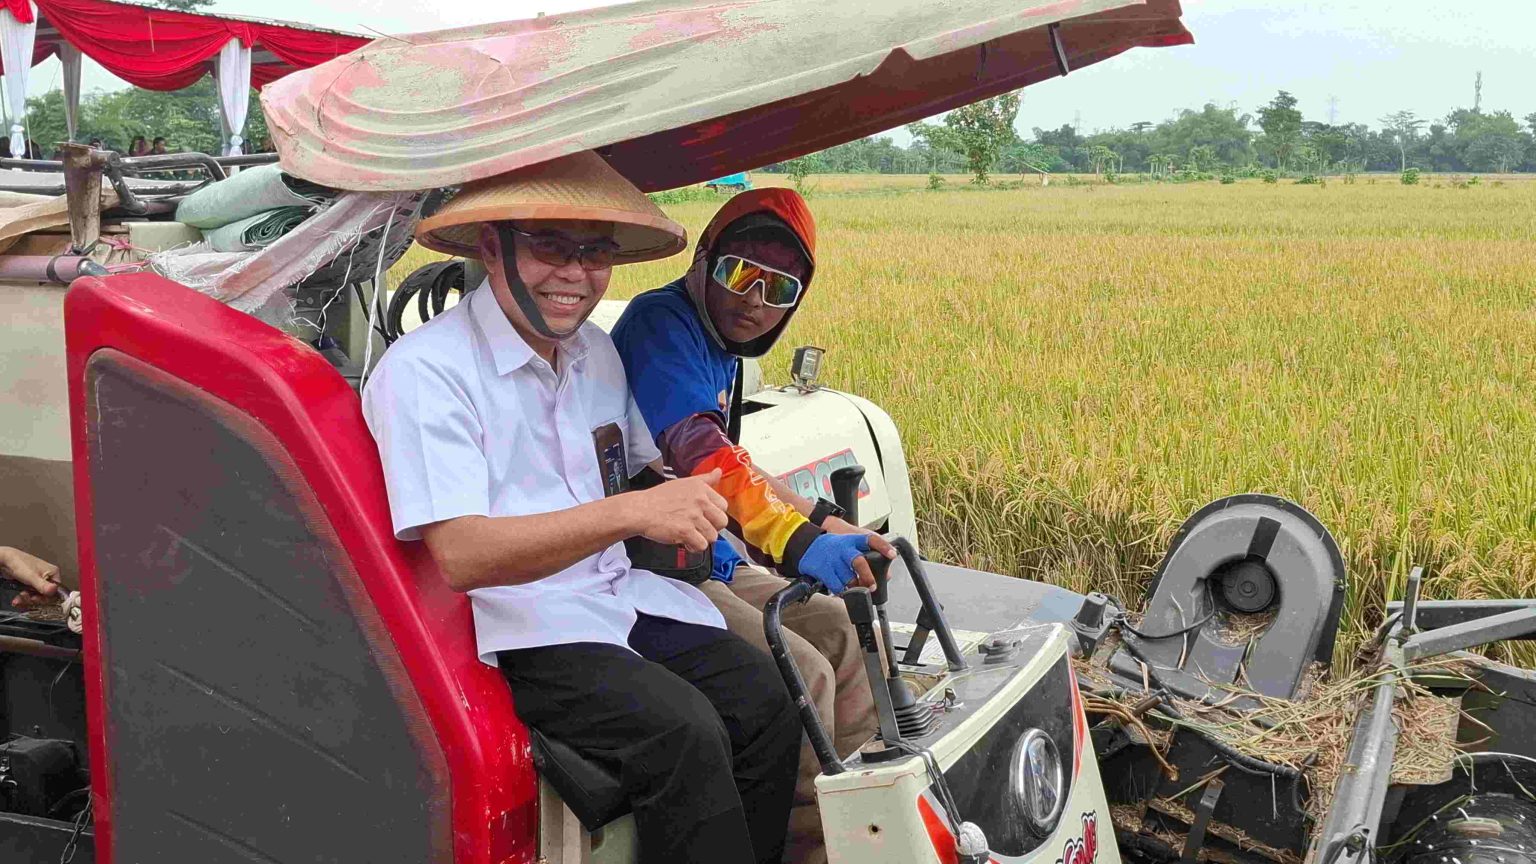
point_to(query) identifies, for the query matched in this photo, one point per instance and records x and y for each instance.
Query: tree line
(188, 119)
(981, 139)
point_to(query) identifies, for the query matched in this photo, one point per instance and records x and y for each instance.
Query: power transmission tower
(1477, 95)
(1333, 110)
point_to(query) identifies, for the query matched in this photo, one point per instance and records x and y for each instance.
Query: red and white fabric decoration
(163, 49)
(18, 32)
(232, 76)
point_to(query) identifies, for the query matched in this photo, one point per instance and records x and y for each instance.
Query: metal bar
(135, 165)
(861, 613)
(246, 159)
(1361, 791)
(1515, 624)
(37, 648)
(1196, 838)
(1054, 29)
(61, 269)
(1411, 603)
(773, 631)
(1434, 614)
(914, 653)
(33, 164)
(934, 612)
(144, 196)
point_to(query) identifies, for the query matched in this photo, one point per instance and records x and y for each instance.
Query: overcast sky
(1355, 59)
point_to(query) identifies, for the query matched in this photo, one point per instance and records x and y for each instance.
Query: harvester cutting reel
(1249, 595)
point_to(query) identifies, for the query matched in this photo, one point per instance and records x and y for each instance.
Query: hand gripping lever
(900, 713)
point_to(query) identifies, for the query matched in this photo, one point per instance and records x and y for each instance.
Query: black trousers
(698, 727)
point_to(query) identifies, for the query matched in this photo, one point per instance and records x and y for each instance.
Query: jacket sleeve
(698, 445)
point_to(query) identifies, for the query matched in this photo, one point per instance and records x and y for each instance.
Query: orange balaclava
(782, 210)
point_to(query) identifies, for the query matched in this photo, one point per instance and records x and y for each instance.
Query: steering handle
(773, 630)
(880, 566)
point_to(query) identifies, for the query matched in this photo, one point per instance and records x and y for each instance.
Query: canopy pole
(69, 56)
(16, 40)
(1058, 49)
(232, 77)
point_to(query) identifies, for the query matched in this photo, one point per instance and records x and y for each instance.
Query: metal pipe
(1351, 827)
(32, 164)
(1411, 603)
(1434, 614)
(168, 162)
(61, 269)
(37, 648)
(246, 159)
(1514, 624)
(773, 631)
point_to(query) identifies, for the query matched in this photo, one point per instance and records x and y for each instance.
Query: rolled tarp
(250, 193)
(258, 231)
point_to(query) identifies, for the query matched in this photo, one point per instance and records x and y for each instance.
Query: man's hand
(836, 561)
(839, 525)
(39, 579)
(688, 512)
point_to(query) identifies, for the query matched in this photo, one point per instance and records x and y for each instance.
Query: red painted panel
(292, 392)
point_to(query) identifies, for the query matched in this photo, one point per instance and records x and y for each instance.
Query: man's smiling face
(563, 293)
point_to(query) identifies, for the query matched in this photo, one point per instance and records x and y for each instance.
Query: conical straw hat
(581, 186)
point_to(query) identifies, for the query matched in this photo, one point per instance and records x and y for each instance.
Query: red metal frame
(294, 394)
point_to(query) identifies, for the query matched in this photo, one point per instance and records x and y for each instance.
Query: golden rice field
(1076, 369)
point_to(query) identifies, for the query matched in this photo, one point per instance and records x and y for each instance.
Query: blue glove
(829, 559)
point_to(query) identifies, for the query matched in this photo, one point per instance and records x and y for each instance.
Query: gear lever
(912, 718)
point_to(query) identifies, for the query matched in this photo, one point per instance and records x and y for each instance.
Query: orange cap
(786, 204)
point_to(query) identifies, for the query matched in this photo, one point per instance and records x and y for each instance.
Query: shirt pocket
(610, 444)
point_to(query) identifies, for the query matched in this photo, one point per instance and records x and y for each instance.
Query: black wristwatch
(823, 510)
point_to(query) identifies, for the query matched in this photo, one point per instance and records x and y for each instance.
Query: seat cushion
(591, 791)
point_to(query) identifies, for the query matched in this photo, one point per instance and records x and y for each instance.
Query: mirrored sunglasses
(740, 275)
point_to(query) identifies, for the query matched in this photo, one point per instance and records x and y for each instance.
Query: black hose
(1151, 637)
(773, 630)
(1228, 753)
(429, 286)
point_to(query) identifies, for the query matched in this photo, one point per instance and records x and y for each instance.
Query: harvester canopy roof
(674, 93)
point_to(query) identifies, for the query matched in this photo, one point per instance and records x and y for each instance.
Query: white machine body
(890, 812)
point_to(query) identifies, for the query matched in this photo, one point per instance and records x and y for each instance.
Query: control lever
(930, 618)
(901, 714)
(861, 612)
(912, 718)
(845, 491)
(881, 567)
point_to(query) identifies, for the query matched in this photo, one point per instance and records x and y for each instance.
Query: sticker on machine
(1083, 849)
(815, 480)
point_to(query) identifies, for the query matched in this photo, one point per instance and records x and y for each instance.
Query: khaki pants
(827, 651)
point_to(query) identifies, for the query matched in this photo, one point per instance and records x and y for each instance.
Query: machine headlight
(806, 366)
(1036, 780)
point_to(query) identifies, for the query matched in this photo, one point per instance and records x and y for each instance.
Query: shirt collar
(508, 348)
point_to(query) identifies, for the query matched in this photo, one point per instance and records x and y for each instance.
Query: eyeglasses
(558, 250)
(739, 276)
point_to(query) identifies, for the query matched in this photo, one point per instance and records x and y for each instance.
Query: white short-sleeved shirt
(469, 421)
